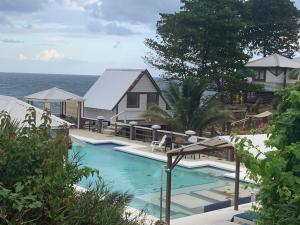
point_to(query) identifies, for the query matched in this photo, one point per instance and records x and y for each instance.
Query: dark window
(133, 100)
(152, 99)
(260, 75)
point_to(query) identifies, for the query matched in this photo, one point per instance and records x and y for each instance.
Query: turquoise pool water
(141, 176)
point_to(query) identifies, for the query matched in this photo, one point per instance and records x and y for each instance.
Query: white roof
(257, 140)
(110, 87)
(54, 95)
(17, 109)
(275, 60)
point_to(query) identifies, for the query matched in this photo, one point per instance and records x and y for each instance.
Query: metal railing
(146, 134)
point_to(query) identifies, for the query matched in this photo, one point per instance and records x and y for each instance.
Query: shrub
(278, 174)
(37, 182)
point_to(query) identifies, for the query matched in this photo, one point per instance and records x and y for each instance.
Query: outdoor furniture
(158, 144)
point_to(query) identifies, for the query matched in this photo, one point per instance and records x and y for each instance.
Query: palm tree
(191, 108)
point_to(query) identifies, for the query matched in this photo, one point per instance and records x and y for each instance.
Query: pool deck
(188, 199)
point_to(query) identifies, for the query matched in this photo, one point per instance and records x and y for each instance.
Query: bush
(37, 182)
(278, 174)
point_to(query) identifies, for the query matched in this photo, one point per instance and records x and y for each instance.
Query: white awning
(54, 95)
(17, 109)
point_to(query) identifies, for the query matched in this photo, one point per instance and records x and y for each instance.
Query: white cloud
(46, 56)
(22, 57)
(51, 54)
(80, 5)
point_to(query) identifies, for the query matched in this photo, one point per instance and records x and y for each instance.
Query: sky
(78, 36)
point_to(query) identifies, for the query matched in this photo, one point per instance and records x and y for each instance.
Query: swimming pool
(141, 177)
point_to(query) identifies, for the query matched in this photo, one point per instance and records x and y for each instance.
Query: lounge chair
(158, 144)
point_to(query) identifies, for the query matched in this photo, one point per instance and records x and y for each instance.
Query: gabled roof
(17, 109)
(275, 60)
(112, 85)
(53, 95)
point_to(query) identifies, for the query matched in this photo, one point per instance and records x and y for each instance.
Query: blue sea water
(22, 84)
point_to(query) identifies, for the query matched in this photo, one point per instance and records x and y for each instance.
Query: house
(123, 95)
(271, 71)
(17, 110)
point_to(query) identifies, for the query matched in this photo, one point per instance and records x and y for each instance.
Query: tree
(273, 27)
(37, 181)
(277, 175)
(203, 40)
(191, 109)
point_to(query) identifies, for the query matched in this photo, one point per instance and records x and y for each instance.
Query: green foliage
(37, 182)
(203, 40)
(273, 27)
(278, 174)
(191, 109)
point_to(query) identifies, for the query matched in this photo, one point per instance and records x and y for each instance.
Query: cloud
(111, 28)
(46, 56)
(51, 54)
(79, 5)
(11, 41)
(5, 22)
(133, 11)
(24, 6)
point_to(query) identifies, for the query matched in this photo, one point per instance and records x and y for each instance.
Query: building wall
(144, 85)
(274, 82)
(71, 109)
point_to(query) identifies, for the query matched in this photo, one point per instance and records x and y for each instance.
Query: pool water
(141, 176)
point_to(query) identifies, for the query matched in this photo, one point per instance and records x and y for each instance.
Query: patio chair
(158, 144)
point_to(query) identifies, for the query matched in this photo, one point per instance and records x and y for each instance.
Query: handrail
(115, 116)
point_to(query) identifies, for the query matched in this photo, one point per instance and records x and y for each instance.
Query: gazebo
(58, 95)
(206, 146)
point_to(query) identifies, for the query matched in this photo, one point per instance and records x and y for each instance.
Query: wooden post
(284, 77)
(228, 128)
(116, 128)
(168, 189)
(79, 115)
(154, 132)
(132, 130)
(100, 120)
(237, 182)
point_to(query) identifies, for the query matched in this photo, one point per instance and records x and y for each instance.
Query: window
(260, 75)
(276, 71)
(152, 98)
(133, 100)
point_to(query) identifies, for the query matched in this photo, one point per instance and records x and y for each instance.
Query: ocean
(20, 85)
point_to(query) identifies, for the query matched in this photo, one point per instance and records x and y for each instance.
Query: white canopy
(54, 95)
(17, 109)
(257, 140)
(275, 60)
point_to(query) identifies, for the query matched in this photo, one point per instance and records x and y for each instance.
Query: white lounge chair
(158, 144)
